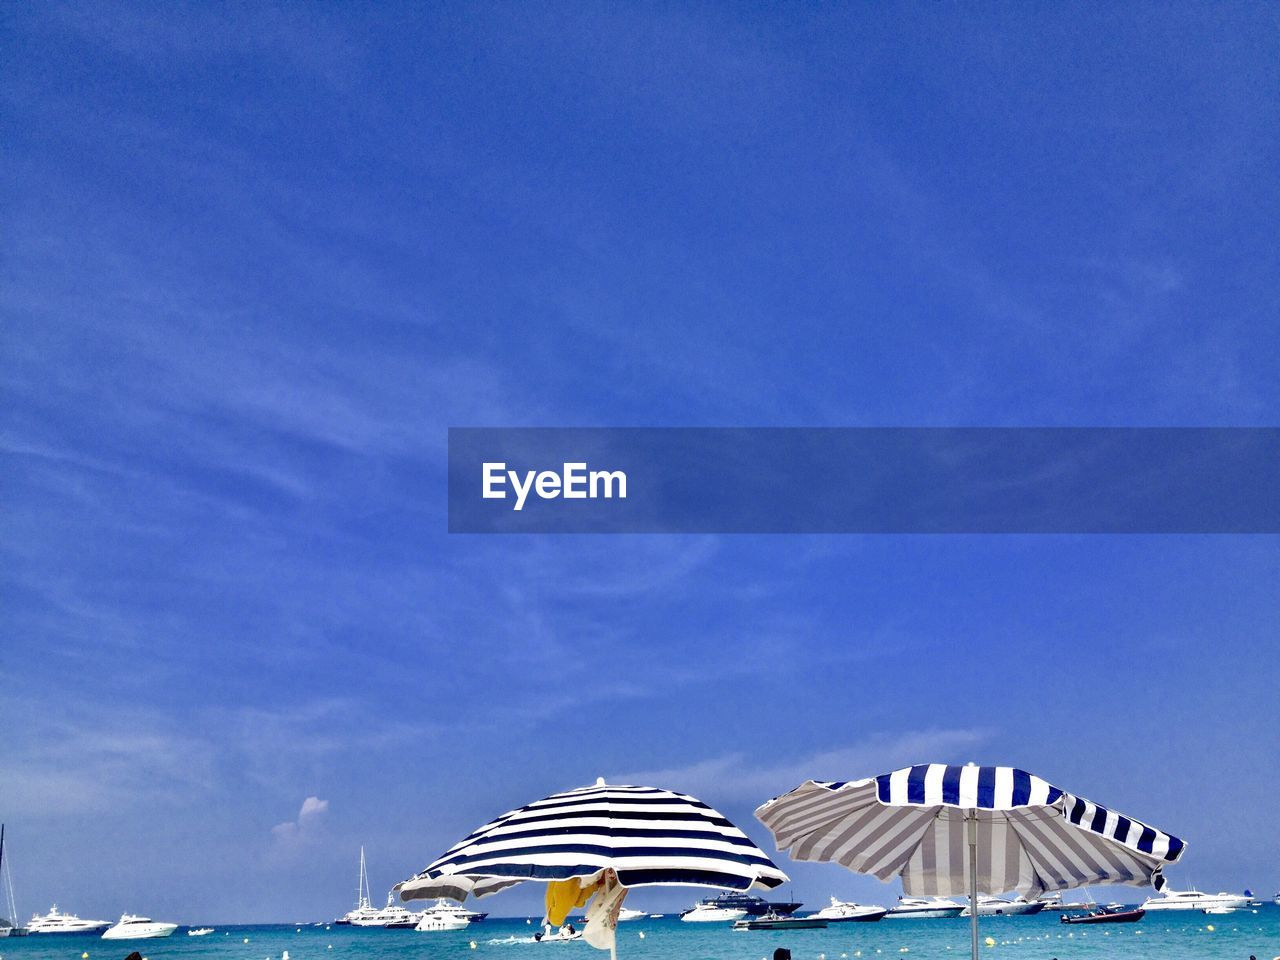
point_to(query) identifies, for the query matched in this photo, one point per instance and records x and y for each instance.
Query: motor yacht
(133, 927)
(393, 916)
(924, 908)
(740, 905)
(626, 913)
(1005, 907)
(839, 911)
(55, 922)
(202, 932)
(1195, 900)
(1053, 904)
(708, 912)
(443, 915)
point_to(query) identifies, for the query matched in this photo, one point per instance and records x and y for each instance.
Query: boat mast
(6, 881)
(362, 886)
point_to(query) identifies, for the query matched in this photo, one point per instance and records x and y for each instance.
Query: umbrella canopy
(943, 829)
(648, 836)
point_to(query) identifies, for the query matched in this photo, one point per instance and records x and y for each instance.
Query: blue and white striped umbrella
(951, 830)
(647, 835)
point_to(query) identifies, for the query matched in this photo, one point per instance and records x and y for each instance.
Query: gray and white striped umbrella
(647, 835)
(949, 830)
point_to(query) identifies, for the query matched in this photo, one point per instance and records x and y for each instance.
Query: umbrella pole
(973, 882)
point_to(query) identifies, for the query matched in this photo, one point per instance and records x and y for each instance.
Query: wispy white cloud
(305, 829)
(740, 776)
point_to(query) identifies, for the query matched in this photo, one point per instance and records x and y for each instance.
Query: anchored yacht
(626, 913)
(924, 908)
(1005, 907)
(708, 912)
(364, 911)
(1054, 904)
(841, 912)
(392, 916)
(733, 906)
(1195, 900)
(443, 916)
(8, 928)
(55, 922)
(133, 927)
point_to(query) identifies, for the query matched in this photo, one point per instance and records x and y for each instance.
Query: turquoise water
(1168, 937)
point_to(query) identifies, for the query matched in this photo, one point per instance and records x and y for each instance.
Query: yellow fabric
(564, 896)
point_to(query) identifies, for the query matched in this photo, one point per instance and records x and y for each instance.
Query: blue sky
(257, 260)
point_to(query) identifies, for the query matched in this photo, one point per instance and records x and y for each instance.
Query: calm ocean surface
(1169, 937)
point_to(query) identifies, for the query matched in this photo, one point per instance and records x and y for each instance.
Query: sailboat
(8, 927)
(364, 911)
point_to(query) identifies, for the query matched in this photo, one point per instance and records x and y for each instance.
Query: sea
(1168, 936)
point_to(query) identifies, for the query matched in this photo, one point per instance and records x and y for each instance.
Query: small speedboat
(1218, 911)
(1106, 915)
(133, 927)
(776, 921)
(203, 931)
(563, 935)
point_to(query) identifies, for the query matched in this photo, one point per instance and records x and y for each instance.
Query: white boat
(1195, 900)
(203, 931)
(1005, 907)
(924, 908)
(708, 912)
(626, 913)
(839, 911)
(392, 916)
(133, 927)
(55, 922)
(1218, 911)
(1053, 904)
(565, 934)
(8, 928)
(363, 911)
(443, 915)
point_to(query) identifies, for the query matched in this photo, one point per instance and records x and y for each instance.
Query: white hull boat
(392, 916)
(1004, 907)
(443, 916)
(363, 912)
(133, 927)
(1195, 900)
(924, 908)
(565, 934)
(626, 913)
(201, 932)
(841, 912)
(54, 922)
(704, 913)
